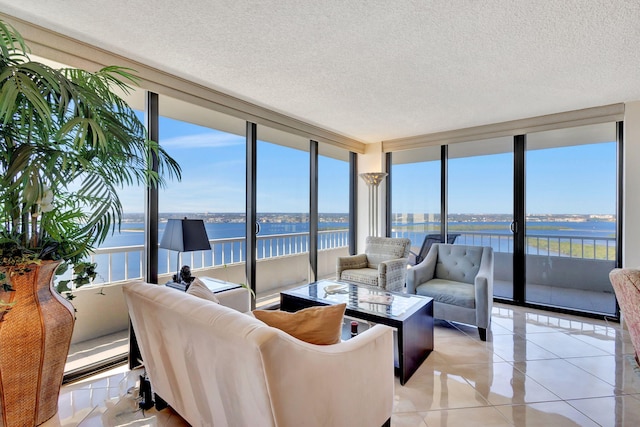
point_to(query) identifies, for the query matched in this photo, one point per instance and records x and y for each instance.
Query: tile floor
(536, 369)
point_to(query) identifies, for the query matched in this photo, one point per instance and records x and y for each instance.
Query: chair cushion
(316, 325)
(366, 276)
(458, 263)
(200, 290)
(449, 292)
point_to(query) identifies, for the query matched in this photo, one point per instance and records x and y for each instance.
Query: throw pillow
(316, 325)
(200, 290)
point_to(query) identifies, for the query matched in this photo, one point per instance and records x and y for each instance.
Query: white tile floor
(536, 369)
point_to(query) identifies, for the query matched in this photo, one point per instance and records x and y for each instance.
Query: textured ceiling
(380, 69)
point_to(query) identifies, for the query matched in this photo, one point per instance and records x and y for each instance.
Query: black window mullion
(519, 219)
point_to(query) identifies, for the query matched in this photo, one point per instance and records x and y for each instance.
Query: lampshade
(185, 235)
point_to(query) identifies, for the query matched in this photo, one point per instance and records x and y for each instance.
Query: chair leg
(483, 334)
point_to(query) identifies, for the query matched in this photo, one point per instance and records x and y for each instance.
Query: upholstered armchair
(430, 239)
(626, 285)
(383, 264)
(460, 280)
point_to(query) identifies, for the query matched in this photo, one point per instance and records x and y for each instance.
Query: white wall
(631, 188)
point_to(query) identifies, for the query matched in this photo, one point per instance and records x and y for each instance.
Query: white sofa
(218, 367)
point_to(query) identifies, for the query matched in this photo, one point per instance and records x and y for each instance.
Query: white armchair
(383, 264)
(460, 280)
(218, 367)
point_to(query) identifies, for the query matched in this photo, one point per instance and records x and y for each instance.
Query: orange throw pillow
(320, 325)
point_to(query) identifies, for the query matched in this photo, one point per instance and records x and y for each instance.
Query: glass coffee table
(410, 315)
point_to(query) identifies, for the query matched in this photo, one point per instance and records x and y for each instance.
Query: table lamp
(185, 235)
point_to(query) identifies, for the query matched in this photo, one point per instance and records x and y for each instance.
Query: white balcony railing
(125, 262)
(582, 247)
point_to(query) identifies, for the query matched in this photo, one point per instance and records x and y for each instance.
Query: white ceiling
(379, 69)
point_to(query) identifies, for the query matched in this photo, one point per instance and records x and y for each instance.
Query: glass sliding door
(333, 208)
(571, 217)
(210, 148)
(415, 193)
(480, 202)
(282, 207)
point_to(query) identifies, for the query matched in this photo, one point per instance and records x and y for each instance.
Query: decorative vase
(35, 335)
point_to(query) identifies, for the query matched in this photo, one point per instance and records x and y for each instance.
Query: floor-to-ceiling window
(571, 217)
(210, 148)
(564, 187)
(333, 208)
(282, 206)
(480, 202)
(415, 190)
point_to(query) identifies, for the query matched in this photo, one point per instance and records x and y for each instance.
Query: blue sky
(577, 179)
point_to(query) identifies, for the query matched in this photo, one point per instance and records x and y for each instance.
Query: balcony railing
(583, 247)
(125, 262)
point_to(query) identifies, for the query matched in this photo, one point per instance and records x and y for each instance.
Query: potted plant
(68, 142)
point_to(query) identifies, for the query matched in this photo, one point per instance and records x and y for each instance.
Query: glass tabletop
(358, 297)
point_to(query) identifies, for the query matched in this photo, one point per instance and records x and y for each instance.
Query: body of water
(132, 234)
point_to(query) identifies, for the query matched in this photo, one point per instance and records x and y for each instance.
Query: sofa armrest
(238, 299)
(422, 272)
(349, 263)
(483, 284)
(354, 379)
(392, 274)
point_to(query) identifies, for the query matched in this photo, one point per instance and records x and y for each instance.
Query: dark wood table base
(414, 326)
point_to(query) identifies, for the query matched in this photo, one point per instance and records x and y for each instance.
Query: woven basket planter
(35, 335)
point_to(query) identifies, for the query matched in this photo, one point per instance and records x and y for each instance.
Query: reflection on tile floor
(536, 369)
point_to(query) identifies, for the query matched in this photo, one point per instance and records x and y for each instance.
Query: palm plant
(68, 142)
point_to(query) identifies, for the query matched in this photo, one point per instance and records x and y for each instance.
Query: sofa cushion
(367, 276)
(449, 292)
(200, 290)
(316, 325)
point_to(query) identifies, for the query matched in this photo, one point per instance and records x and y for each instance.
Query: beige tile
(74, 402)
(615, 370)
(547, 414)
(173, 420)
(444, 329)
(564, 379)
(608, 340)
(497, 329)
(428, 390)
(468, 417)
(411, 419)
(610, 411)
(503, 384)
(516, 348)
(565, 345)
(460, 351)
